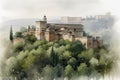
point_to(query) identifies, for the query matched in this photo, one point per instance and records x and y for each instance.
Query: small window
(84, 44)
(73, 36)
(89, 43)
(74, 29)
(70, 32)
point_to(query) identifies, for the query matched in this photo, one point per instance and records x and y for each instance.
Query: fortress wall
(83, 40)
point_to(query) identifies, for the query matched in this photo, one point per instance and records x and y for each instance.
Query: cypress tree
(11, 34)
(54, 58)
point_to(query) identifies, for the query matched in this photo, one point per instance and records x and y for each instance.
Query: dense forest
(39, 59)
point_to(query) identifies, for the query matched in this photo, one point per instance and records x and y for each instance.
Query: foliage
(48, 73)
(54, 57)
(19, 46)
(82, 68)
(39, 43)
(11, 34)
(94, 61)
(69, 71)
(62, 58)
(29, 46)
(18, 35)
(30, 38)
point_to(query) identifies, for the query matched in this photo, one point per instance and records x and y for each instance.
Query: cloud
(36, 8)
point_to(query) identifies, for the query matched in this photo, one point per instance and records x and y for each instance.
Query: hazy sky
(13, 9)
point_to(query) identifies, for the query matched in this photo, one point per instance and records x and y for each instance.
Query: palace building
(71, 32)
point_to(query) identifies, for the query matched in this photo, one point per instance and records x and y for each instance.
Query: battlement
(66, 31)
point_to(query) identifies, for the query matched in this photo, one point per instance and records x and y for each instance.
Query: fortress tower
(41, 27)
(66, 31)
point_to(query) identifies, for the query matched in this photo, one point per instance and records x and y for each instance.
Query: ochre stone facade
(18, 40)
(71, 32)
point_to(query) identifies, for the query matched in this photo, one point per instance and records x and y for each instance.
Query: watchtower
(41, 27)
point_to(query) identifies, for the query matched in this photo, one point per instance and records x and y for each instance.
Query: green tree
(30, 38)
(28, 46)
(93, 61)
(40, 43)
(76, 47)
(11, 34)
(73, 62)
(69, 71)
(18, 35)
(42, 58)
(67, 55)
(66, 59)
(28, 61)
(82, 68)
(58, 71)
(22, 55)
(19, 46)
(13, 68)
(47, 73)
(87, 54)
(60, 49)
(54, 57)
(105, 64)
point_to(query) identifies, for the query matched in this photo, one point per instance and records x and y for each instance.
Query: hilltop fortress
(71, 32)
(67, 19)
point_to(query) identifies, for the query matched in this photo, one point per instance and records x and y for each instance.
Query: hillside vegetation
(39, 59)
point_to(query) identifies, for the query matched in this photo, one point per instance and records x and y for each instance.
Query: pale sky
(14, 9)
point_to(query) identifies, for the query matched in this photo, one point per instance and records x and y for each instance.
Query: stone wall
(18, 40)
(51, 36)
(90, 42)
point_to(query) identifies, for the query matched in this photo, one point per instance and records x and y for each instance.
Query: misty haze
(59, 40)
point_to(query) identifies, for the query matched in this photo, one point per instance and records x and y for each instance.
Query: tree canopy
(11, 34)
(62, 58)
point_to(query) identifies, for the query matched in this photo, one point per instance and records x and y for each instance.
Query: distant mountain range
(17, 23)
(101, 27)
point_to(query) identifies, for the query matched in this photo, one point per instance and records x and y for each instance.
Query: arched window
(89, 43)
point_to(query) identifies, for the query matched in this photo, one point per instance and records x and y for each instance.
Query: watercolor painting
(59, 40)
